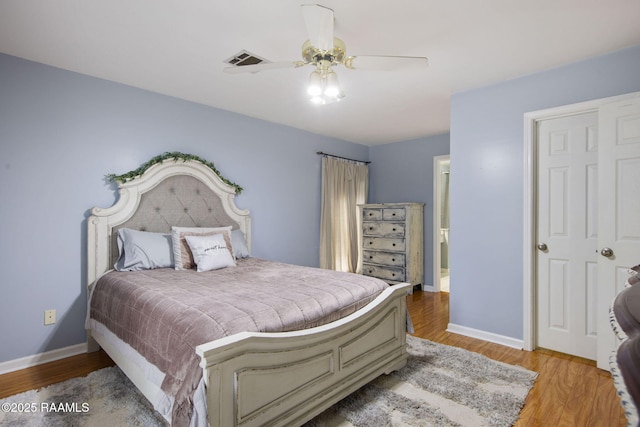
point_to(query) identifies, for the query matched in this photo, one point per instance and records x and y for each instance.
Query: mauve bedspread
(164, 314)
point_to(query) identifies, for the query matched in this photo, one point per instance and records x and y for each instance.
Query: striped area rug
(440, 386)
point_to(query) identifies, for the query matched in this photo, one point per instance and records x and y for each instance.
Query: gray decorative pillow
(239, 243)
(143, 250)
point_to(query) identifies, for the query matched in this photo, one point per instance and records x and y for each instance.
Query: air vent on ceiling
(245, 58)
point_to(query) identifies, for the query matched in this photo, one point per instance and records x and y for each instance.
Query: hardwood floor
(570, 391)
(52, 372)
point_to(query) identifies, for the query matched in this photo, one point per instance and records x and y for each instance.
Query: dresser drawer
(384, 258)
(370, 214)
(383, 229)
(383, 243)
(394, 214)
(386, 273)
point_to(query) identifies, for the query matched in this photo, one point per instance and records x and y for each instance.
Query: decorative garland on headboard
(175, 155)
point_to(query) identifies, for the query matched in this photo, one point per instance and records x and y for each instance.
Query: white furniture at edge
(261, 379)
(392, 242)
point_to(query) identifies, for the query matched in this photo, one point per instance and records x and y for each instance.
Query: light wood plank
(52, 372)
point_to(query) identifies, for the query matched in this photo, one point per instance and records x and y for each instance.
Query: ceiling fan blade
(319, 22)
(263, 67)
(385, 62)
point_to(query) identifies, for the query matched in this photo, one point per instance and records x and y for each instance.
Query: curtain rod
(320, 153)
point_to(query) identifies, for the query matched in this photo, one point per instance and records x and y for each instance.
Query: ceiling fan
(324, 51)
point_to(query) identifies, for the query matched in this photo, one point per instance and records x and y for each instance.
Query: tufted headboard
(185, 194)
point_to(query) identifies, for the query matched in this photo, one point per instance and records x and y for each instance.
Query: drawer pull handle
(370, 271)
(371, 243)
(370, 228)
(394, 244)
(393, 214)
(393, 274)
(393, 259)
(394, 229)
(370, 256)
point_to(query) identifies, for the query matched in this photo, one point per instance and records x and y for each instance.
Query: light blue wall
(403, 172)
(487, 158)
(62, 132)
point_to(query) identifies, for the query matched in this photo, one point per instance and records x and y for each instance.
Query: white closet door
(619, 209)
(567, 234)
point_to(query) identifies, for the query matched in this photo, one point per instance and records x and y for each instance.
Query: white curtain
(345, 184)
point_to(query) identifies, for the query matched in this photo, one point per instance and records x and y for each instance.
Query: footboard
(282, 379)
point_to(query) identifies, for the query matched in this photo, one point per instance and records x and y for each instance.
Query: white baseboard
(40, 358)
(486, 336)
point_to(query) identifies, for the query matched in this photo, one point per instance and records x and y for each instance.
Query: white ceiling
(177, 47)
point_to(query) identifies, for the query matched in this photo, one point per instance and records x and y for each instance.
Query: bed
(245, 378)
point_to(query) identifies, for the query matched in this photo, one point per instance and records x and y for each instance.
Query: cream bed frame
(252, 379)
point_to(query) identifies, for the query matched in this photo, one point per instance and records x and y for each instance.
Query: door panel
(628, 177)
(619, 208)
(558, 188)
(567, 224)
(558, 292)
(592, 299)
(592, 202)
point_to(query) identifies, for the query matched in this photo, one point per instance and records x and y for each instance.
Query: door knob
(542, 246)
(608, 252)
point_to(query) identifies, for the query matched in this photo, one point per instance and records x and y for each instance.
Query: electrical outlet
(49, 317)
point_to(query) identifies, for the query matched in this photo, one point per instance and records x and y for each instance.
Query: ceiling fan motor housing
(334, 56)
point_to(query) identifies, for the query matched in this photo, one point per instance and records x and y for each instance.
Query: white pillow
(182, 255)
(210, 252)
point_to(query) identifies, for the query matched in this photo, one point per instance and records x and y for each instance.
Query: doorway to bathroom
(441, 272)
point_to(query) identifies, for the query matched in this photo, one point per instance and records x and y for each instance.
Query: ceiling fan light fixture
(332, 88)
(315, 84)
(324, 99)
(324, 87)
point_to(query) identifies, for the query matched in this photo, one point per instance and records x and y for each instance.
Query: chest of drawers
(392, 242)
